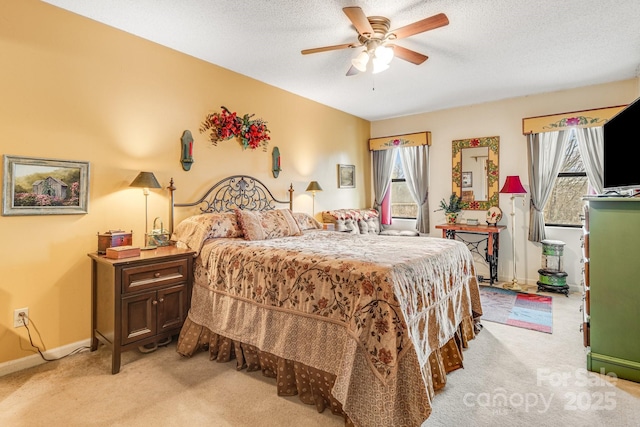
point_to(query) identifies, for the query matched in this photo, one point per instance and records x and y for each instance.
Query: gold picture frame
(492, 144)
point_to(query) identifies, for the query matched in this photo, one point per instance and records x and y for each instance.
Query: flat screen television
(621, 167)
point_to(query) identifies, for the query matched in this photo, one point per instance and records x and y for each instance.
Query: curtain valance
(408, 140)
(564, 121)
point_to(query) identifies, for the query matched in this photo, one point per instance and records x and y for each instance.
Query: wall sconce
(313, 187)
(276, 162)
(146, 180)
(187, 150)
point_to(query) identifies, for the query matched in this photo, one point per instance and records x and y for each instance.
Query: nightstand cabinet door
(139, 317)
(172, 307)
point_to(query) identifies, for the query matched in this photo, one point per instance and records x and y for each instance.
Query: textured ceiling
(491, 49)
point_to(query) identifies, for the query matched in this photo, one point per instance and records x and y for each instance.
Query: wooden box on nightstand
(140, 300)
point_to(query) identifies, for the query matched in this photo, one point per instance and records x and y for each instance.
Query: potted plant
(451, 208)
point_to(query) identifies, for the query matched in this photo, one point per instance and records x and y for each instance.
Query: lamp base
(513, 286)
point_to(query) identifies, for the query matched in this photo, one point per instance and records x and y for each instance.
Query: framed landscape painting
(34, 186)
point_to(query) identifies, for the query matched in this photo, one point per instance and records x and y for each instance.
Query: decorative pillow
(194, 230)
(332, 216)
(363, 226)
(374, 225)
(356, 214)
(306, 221)
(340, 225)
(351, 226)
(264, 225)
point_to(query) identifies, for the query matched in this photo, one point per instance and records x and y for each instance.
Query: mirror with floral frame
(489, 177)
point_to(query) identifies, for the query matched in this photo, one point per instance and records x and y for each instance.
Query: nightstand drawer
(142, 277)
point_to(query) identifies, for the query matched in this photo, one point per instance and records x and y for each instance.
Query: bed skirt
(313, 386)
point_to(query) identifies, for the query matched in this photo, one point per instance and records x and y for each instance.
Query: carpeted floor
(512, 377)
(524, 310)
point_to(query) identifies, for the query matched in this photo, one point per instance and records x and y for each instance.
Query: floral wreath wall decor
(251, 133)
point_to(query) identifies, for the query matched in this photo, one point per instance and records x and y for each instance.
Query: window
(402, 204)
(564, 206)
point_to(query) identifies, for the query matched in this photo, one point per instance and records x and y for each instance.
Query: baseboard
(531, 286)
(578, 289)
(622, 368)
(35, 359)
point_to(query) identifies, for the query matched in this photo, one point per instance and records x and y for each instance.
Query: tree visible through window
(402, 204)
(565, 204)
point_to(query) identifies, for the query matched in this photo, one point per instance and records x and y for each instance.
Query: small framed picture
(467, 179)
(34, 186)
(346, 176)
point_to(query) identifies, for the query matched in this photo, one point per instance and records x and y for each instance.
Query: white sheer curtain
(591, 147)
(546, 155)
(415, 162)
(382, 168)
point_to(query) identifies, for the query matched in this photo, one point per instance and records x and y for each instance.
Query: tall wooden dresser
(611, 305)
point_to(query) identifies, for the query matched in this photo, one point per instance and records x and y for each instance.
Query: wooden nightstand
(140, 300)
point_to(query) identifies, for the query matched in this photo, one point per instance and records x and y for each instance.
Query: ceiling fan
(374, 35)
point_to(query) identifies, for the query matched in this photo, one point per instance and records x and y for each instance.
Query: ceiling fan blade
(326, 48)
(352, 71)
(359, 20)
(435, 21)
(409, 55)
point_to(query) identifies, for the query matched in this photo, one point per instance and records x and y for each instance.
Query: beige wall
(504, 118)
(75, 89)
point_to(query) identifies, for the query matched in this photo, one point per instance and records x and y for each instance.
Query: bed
(364, 325)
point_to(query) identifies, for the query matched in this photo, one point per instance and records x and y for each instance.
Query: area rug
(529, 311)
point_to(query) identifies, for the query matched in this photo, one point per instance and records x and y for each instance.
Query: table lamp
(145, 180)
(313, 187)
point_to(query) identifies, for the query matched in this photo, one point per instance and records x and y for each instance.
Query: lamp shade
(314, 186)
(512, 185)
(145, 180)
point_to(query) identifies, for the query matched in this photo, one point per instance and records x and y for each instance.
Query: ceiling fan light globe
(359, 65)
(360, 61)
(378, 66)
(384, 54)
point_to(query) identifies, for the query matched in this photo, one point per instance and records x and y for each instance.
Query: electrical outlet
(18, 320)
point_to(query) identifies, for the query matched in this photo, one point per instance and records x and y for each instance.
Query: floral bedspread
(385, 294)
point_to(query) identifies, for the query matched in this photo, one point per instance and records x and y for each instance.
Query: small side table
(139, 300)
(492, 242)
